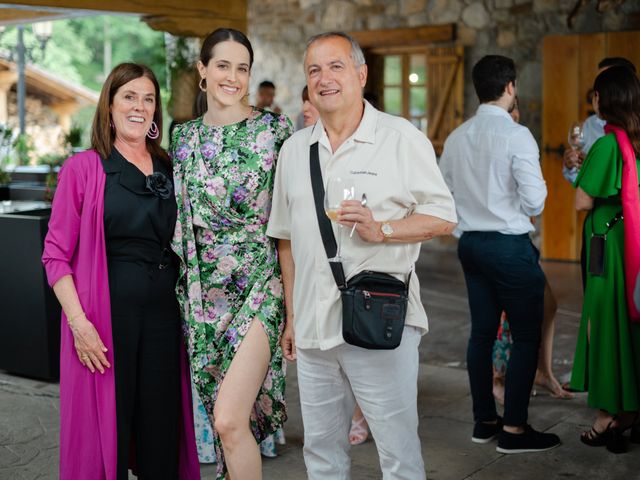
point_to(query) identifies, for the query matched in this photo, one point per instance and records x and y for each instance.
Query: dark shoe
(485, 432)
(528, 441)
(616, 442)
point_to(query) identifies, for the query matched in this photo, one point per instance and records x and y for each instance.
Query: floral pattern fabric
(502, 347)
(229, 273)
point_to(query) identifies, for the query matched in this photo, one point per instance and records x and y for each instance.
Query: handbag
(374, 304)
(597, 246)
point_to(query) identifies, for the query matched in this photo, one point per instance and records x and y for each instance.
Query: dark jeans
(502, 273)
(146, 335)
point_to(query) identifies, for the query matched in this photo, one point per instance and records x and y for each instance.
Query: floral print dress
(229, 273)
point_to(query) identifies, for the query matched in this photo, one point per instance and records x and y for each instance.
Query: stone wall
(278, 30)
(42, 126)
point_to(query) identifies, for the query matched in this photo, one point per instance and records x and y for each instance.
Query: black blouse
(139, 211)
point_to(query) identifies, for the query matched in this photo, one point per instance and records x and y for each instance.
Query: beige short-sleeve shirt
(395, 165)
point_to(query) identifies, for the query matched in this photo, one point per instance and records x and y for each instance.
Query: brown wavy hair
(618, 90)
(102, 135)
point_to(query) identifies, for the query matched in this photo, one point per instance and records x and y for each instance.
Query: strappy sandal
(359, 431)
(594, 438)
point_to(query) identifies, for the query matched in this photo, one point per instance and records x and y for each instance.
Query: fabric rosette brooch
(158, 184)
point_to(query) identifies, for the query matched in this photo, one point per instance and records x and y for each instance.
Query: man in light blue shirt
(491, 165)
(592, 128)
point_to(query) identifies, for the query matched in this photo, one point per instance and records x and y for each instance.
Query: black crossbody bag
(374, 304)
(598, 246)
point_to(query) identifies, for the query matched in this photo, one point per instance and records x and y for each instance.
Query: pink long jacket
(75, 245)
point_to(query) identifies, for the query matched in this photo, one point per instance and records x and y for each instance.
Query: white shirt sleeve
(445, 167)
(279, 220)
(525, 166)
(424, 180)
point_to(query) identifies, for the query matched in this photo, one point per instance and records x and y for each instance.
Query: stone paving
(29, 408)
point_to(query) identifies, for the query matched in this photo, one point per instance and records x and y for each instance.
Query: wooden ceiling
(194, 18)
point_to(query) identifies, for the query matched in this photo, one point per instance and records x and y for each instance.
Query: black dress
(139, 219)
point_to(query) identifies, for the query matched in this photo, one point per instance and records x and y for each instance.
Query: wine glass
(338, 189)
(576, 136)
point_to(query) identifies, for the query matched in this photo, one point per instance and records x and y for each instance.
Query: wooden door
(570, 64)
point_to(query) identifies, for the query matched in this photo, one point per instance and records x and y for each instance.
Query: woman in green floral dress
(230, 288)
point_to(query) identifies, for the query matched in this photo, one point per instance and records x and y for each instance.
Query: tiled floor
(28, 409)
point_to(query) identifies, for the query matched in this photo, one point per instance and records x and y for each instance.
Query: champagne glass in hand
(338, 189)
(576, 136)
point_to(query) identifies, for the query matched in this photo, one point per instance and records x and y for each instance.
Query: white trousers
(385, 385)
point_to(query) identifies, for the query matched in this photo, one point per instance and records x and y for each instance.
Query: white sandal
(359, 431)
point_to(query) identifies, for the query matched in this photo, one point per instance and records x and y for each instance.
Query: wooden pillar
(7, 79)
(65, 109)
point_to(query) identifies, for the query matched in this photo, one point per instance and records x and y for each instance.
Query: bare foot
(551, 384)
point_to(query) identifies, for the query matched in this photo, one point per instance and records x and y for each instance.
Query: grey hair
(356, 52)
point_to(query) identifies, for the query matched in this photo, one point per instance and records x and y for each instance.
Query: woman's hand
(89, 346)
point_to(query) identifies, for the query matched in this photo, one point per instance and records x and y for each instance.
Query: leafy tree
(76, 50)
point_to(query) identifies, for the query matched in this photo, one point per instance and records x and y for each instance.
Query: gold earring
(203, 84)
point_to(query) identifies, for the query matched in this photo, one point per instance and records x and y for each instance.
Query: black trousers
(502, 273)
(146, 335)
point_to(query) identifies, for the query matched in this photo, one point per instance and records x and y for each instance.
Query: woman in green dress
(230, 288)
(607, 357)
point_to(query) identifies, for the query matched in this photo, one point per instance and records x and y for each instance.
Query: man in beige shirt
(407, 202)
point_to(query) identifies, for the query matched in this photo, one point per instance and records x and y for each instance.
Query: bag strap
(611, 223)
(326, 231)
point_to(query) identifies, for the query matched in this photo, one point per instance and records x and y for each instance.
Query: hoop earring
(203, 81)
(153, 132)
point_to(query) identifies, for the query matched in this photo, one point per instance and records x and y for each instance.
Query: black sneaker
(485, 432)
(528, 441)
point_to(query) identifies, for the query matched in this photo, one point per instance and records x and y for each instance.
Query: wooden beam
(225, 9)
(405, 36)
(192, 26)
(9, 16)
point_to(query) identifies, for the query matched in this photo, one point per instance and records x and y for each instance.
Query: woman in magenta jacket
(124, 383)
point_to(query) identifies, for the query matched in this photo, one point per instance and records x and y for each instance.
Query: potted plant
(5, 179)
(23, 147)
(53, 161)
(73, 139)
(5, 149)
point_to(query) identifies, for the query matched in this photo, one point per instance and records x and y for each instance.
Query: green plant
(23, 147)
(74, 138)
(51, 181)
(6, 137)
(51, 159)
(4, 177)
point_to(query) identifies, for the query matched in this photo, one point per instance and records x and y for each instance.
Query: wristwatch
(387, 229)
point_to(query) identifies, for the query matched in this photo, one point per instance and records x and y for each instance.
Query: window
(404, 91)
(423, 84)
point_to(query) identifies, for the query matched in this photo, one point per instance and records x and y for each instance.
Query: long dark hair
(618, 91)
(223, 35)
(102, 134)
